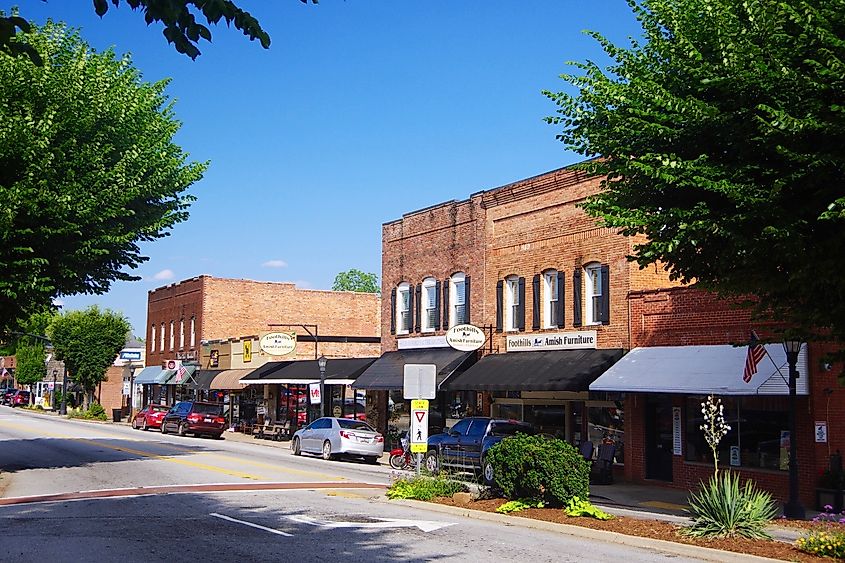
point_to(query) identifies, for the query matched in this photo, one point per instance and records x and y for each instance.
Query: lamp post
(321, 361)
(53, 395)
(63, 409)
(793, 508)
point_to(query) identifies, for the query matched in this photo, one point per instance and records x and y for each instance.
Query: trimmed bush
(723, 509)
(539, 468)
(519, 505)
(577, 507)
(424, 488)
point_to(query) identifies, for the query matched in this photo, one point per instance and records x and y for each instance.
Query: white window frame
(161, 348)
(592, 287)
(182, 333)
(511, 303)
(551, 294)
(428, 298)
(152, 337)
(458, 279)
(193, 331)
(172, 335)
(403, 300)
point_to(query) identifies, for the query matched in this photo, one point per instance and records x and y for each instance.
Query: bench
(277, 432)
(259, 431)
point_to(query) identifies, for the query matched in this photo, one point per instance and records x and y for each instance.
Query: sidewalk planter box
(832, 497)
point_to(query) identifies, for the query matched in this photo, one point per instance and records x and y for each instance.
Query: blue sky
(359, 112)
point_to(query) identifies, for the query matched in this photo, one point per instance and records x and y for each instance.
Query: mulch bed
(654, 529)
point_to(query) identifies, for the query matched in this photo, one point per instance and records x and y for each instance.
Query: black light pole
(63, 410)
(793, 508)
(53, 396)
(321, 361)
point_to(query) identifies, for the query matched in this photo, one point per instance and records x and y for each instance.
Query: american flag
(180, 374)
(756, 351)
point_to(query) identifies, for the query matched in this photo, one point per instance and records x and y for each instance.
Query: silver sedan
(331, 437)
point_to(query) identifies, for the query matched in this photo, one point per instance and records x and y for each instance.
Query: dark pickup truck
(462, 447)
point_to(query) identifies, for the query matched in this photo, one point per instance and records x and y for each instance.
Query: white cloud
(165, 274)
(58, 302)
(274, 264)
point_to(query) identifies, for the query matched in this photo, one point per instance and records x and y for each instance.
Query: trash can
(116, 414)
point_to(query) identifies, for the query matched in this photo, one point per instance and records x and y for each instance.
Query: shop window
(513, 306)
(429, 304)
(458, 297)
(551, 294)
(758, 436)
(403, 308)
(152, 338)
(606, 425)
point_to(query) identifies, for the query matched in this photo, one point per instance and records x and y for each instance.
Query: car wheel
(134, 424)
(144, 425)
(372, 459)
(163, 427)
(432, 462)
(217, 436)
(327, 450)
(182, 429)
(295, 447)
(487, 473)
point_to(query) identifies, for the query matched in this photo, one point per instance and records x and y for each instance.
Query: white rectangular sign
(584, 339)
(420, 381)
(314, 393)
(126, 389)
(422, 342)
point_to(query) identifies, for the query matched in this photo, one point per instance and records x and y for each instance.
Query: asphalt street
(347, 518)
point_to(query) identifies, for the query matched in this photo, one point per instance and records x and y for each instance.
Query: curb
(673, 548)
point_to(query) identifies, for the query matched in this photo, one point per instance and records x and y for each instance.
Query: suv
(195, 417)
(19, 398)
(463, 446)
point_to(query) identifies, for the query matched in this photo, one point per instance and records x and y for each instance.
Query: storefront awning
(701, 370)
(228, 380)
(172, 378)
(388, 372)
(553, 370)
(339, 371)
(148, 375)
(203, 378)
(265, 371)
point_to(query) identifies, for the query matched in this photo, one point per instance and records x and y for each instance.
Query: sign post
(420, 384)
(419, 429)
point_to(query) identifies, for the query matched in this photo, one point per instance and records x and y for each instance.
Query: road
(308, 509)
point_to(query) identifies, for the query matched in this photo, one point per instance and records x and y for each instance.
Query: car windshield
(159, 408)
(510, 428)
(349, 424)
(205, 408)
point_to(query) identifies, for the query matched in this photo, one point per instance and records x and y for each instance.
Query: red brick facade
(230, 308)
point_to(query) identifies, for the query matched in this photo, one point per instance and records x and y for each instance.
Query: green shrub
(424, 488)
(578, 507)
(536, 467)
(823, 542)
(96, 412)
(721, 508)
(518, 505)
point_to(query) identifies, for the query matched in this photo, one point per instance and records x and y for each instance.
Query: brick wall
(175, 302)
(111, 390)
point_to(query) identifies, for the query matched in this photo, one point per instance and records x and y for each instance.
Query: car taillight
(194, 417)
(345, 434)
(379, 438)
(219, 420)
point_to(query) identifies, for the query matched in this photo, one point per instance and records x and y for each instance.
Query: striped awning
(229, 380)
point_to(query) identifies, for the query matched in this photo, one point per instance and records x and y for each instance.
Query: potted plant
(829, 489)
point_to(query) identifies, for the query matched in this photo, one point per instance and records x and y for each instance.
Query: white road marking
(251, 525)
(424, 525)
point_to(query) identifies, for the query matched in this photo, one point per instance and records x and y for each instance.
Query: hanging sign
(419, 426)
(821, 431)
(278, 343)
(314, 393)
(465, 338)
(247, 357)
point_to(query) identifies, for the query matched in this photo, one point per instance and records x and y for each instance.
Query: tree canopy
(721, 134)
(179, 18)
(88, 341)
(356, 280)
(88, 170)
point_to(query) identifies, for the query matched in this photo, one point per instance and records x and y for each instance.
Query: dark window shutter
(536, 299)
(467, 308)
(418, 312)
(605, 294)
(437, 306)
(446, 311)
(499, 291)
(576, 297)
(410, 309)
(521, 313)
(393, 311)
(561, 285)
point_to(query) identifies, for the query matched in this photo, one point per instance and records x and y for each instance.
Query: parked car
(19, 398)
(463, 446)
(331, 437)
(6, 395)
(350, 406)
(195, 417)
(149, 417)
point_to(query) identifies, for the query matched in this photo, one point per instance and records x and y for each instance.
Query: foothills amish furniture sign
(576, 340)
(278, 343)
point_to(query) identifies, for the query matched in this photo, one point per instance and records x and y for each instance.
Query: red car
(195, 417)
(149, 417)
(20, 398)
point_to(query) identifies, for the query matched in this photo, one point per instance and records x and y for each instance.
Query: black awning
(388, 372)
(202, 378)
(554, 370)
(339, 370)
(263, 371)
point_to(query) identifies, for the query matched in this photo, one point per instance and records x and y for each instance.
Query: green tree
(722, 139)
(88, 341)
(88, 170)
(30, 367)
(356, 280)
(178, 17)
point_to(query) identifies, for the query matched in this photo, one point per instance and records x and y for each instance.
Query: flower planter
(829, 497)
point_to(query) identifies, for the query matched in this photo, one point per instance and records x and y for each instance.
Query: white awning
(701, 370)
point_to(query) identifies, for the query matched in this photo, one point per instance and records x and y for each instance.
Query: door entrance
(658, 439)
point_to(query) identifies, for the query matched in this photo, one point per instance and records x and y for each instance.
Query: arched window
(182, 333)
(152, 338)
(193, 331)
(172, 336)
(161, 348)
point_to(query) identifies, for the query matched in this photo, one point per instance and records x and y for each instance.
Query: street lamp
(793, 508)
(63, 408)
(321, 361)
(53, 396)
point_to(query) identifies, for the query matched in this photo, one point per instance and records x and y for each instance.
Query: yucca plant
(721, 508)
